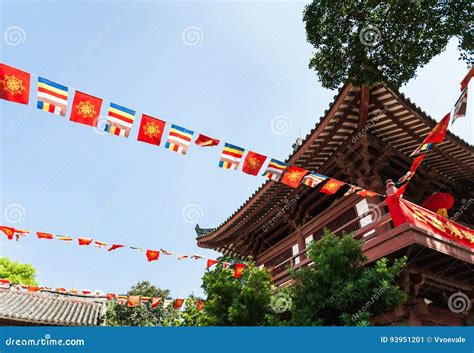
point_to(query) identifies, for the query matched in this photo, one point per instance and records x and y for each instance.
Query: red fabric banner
(403, 211)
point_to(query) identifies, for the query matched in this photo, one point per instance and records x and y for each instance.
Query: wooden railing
(280, 271)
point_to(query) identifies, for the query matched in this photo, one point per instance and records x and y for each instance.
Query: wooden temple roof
(390, 121)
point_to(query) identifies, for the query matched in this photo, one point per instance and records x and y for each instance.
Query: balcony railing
(366, 233)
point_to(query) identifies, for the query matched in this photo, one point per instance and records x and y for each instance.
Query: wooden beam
(364, 107)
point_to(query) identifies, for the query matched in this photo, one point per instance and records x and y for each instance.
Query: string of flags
(151, 255)
(437, 134)
(53, 97)
(130, 300)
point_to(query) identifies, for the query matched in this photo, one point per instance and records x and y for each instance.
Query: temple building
(365, 138)
(19, 307)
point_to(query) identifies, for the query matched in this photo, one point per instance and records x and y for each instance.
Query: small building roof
(42, 308)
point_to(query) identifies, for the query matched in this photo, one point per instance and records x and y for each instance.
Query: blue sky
(235, 71)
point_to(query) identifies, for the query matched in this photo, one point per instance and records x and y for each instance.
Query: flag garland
(15, 85)
(130, 300)
(151, 255)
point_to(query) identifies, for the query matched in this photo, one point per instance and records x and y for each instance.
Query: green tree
(191, 316)
(383, 41)
(143, 314)
(17, 273)
(340, 288)
(237, 302)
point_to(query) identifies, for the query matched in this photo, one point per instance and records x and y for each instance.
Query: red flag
(14, 84)
(466, 79)
(238, 269)
(155, 302)
(402, 183)
(9, 232)
(42, 235)
(151, 130)
(253, 163)
(85, 292)
(133, 300)
(33, 289)
(211, 262)
(84, 241)
(206, 141)
(332, 186)
(115, 246)
(5, 281)
(199, 305)
(366, 193)
(439, 131)
(152, 255)
(178, 303)
(85, 109)
(293, 176)
(110, 296)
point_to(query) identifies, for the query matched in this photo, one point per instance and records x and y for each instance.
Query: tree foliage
(237, 302)
(383, 41)
(191, 316)
(17, 273)
(340, 288)
(144, 314)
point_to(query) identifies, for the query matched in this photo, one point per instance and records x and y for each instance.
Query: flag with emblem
(115, 247)
(211, 262)
(238, 270)
(179, 139)
(293, 176)
(84, 241)
(435, 136)
(178, 303)
(231, 157)
(206, 141)
(460, 107)
(42, 235)
(199, 305)
(332, 186)
(152, 255)
(133, 301)
(151, 130)
(52, 97)
(253, 163)
(119, 120)
(14, 84)
(313, 179)
(275, 169)
(8, 231)
(85, 109)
